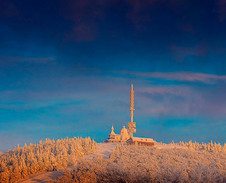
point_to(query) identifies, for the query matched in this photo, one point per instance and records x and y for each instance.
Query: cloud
(180, 52)
(221, 9)
(179, 76)
(187, 28)
(83, 32)
(174, 90)
(79, 86)
(151, 99)
(111, 92)
(4, 60)
(165, 100)
(85, 17)
(140, 13)
(182, 101)
(8, 9)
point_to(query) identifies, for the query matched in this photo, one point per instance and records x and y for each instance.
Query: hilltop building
(126, 135)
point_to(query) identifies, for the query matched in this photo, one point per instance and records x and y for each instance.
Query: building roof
(140, 139)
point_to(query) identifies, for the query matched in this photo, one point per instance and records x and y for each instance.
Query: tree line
(206, 147)
(50, 155)
(133, 164)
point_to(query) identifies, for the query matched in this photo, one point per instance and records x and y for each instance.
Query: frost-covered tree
(48, 155)
(133, 164)
(211, 147)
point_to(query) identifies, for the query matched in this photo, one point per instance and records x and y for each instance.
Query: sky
(66, 68)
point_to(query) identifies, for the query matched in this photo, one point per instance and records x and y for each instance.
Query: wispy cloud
(179, 76)
(8, 9)
(37, 60)
(181, 52)
(82, 33)
(166, 100)
(173, 90)
(181, 101)
(221, 9)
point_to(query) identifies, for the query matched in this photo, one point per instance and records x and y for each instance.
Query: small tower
(124, 134)
(112, 134)
(131, 125)
(112, 130)
(112, 137)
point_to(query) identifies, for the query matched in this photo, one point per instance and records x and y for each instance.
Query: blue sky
(66, 69)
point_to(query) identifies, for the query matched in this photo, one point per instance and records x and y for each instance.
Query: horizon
(66, 69)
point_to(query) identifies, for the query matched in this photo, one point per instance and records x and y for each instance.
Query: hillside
(103, 149)
(161, 163)
(51, 155)
(82, 160)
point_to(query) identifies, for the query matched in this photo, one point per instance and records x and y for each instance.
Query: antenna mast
(131, 125)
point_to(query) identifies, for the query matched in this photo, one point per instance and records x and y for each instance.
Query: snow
(103, 149)
(44, 177)
(168, 162)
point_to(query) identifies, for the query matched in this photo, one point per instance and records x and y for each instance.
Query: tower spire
(131, 103)
(112, 129)
(131, 125)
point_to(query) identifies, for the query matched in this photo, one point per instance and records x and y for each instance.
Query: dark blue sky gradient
(66, 69)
